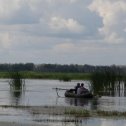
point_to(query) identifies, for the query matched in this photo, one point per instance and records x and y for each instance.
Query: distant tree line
(17, 67)
(59, 68)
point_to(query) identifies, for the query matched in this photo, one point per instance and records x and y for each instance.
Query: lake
(41, 93)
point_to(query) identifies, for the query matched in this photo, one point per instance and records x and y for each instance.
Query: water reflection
(59, 120)
(24, 117)
(50, 120)
(17, 88)
(115, 93)
(16, 96)
(77, 101)
(87, 103)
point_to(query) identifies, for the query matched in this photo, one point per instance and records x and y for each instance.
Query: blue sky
(63, 31)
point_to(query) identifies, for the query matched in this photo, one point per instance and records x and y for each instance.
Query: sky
(63, 31)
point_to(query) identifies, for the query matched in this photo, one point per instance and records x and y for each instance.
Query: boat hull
(73, 95)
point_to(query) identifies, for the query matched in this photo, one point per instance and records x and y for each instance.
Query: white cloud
(62, 31)
(64, 48)
(5, 39)
(8, 8)
(61, 1)
(39, 4)
(58, 23)
(113, 14)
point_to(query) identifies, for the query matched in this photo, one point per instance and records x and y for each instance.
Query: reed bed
(108, 82)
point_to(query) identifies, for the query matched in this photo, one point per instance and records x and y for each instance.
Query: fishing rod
(57, 89)
(60, 89)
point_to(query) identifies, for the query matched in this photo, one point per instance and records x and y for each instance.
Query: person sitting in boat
(82, 89)
(79, 90)
(76, 87)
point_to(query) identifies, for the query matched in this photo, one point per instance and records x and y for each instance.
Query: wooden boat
(71, 94)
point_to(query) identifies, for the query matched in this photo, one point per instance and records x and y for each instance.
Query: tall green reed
(108, 82)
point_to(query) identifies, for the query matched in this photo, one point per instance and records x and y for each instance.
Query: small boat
(71, 94)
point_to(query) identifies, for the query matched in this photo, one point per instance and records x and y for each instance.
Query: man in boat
(82, 89)
(76, 87)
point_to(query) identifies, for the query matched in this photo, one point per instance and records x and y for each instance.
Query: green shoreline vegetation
(106, 81)
(49, 75)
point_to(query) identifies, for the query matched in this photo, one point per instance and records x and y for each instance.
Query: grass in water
(77, 112)
(89, 113)
(111, 113)
(16, 81)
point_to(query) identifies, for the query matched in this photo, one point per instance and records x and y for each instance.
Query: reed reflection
(17, 88)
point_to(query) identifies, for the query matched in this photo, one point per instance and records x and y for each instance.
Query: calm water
(25, 117)
(41, 92)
